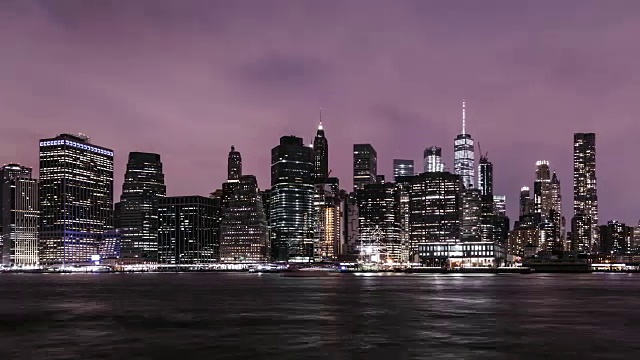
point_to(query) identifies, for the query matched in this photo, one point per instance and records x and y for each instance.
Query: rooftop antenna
(320, 126)
(464, 118)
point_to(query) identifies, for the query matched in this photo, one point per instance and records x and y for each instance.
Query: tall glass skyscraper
(464, 154)
(292, 222)
(143, 187)
(365, 165)
(584, 226)
(18, 216)
(76, 198)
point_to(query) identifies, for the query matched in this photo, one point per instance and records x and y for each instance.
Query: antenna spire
(464, 118)
(320, 125)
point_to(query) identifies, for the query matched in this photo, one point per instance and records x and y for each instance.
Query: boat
(310, 272)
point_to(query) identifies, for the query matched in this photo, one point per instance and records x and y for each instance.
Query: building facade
(584, 226)
(433, 159)
(365, 165)
(402, 168)
(379, 223)
(435, 207)
(76, 199)
(187, 228)
(142, 189)
(463, 149)
(292, 224)
(18, 216)
(243, 232)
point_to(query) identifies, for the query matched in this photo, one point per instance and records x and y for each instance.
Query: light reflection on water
(236, 316)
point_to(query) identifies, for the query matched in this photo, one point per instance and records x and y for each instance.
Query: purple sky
(187, 79)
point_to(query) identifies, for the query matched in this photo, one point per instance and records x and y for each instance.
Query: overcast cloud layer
(188, 79)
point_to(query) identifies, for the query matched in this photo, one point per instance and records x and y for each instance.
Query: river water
(253, 316)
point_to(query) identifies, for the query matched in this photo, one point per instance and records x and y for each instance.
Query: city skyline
(195, 121)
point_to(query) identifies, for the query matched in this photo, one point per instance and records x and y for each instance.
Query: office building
(365, 165)
(433, 159)
(526, 203)
(18, 216)
(402, 168)
(615, 238)
(542, 189)
(403, 200)
(379, 224)
(187, 227)
(464, 155)
(350, 221)
(234, 164)
(470, 212)
(435, 208)
(584, 226)
(142, 188)
(243, 233)
(328, 208)
(292, 223)
(76, 199)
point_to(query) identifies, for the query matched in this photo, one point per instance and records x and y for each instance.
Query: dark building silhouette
(291, 201)
(320, 156)
(76, 198)
(526, 203)
(365, 165)
(243, 233)
(234, 164)
(187, 230)
(18, 216)
(615, 238)
(142, 189)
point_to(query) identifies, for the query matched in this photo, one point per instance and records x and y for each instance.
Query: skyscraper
(244, 226)
(76, 198)
(470, 214)
(234, 164)
(435, 208)
(142, 188)
(542, 189)
(320, 155)
(464, 154)
(584, 228)
(488, 230)
(327, 205)
(433, 159)
(365, 165)
(526, 203)
(402, 168)
(187, 227)
(18, 216)
(379, 224)
(291, 204)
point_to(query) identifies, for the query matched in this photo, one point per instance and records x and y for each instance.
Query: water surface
(240, 316)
